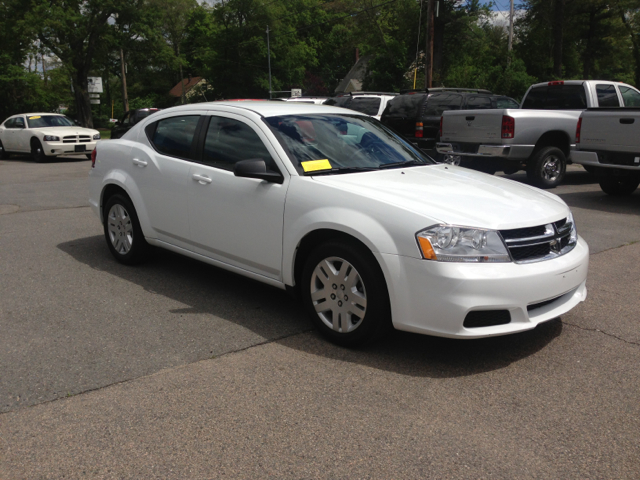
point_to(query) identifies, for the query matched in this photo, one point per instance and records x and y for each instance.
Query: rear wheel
(345, 293)
(619, 185)
(37, 152)
(122, 231)
(547, 167)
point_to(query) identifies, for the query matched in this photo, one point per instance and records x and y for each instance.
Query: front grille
(541, 242)
(486, 318)
(76, 139)
(535, 306)
(84, 138)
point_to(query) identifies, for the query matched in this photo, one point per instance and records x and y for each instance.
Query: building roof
(354, 79)
(188, 85)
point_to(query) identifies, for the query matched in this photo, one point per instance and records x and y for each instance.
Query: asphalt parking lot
(176, 369)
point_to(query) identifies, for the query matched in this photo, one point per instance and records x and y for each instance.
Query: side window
(126, 119)
(630, 97)
(607, 96)
(228, 141)
(439, 102)
(10, 123)
(506, 102)
(478, 103)
(18, 122)
(173, 136)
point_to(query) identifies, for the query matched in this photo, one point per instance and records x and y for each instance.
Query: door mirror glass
(256, 168)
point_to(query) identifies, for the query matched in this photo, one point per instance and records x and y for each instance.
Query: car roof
(264, 108)
(39, 113)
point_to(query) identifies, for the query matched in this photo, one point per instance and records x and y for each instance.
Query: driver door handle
(201, 179)
(139, 163)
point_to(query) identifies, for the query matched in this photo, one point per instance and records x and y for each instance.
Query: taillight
(93, 158)
(578, 128)
(440, 131)
(508, 126)
(555, 83)
(419, 130)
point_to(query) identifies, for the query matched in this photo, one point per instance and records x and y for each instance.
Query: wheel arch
(554, 138)
(118, 182)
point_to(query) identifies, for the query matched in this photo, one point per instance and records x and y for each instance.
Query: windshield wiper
(341, 170)
(410, 163)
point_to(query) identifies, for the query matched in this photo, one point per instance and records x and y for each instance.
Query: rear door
(611, 130)
(403, 112)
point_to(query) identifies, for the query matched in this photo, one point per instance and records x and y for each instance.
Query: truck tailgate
(472, 126)
(611, 130)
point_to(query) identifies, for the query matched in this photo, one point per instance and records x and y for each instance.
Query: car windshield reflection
(342, 144)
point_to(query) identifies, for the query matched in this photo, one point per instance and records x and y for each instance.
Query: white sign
(296, 92)
(113, 120)
(95, 84)
(94, 101)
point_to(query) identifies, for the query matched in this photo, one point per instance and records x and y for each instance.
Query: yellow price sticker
(315, 165)
(35, 117)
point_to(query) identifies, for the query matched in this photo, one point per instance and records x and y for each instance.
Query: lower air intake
(486, 318)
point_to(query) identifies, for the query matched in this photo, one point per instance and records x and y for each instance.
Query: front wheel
(122, 231)
(547, 167)
(618, 185)
(345, 293)
(37, 152)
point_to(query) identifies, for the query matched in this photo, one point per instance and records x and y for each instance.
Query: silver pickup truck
(537, 137)
(608, 143)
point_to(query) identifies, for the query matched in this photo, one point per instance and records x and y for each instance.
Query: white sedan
(331, 204)
(45, 135)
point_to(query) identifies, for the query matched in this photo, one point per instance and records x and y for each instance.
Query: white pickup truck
(537, 137)
(608, 143)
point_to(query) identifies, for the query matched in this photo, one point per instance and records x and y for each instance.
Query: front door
(233, 219)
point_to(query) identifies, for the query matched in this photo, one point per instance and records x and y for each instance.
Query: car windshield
(39, 121)
(342, 143)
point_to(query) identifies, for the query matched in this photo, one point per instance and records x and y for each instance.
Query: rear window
(477, 103)
(366, 105)
(607, 96)
(440, 102)
(556, 97)
(404, 106)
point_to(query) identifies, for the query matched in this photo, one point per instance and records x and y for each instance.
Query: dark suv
(130, 119)
(415, 114)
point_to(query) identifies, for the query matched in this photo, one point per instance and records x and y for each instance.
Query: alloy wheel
(120, 229)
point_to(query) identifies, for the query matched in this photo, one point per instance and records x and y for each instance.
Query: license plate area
(80, 148)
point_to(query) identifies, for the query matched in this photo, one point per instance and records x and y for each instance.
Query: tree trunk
(558, 24)
(635, 42)
(83, 103)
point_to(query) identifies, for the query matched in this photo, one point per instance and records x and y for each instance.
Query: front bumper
(435, 297)
(59, 148)
(507, 152)
(591, 159)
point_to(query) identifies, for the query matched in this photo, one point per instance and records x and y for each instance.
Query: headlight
(448, 243)
(96, 136)
(573, 238)
(51, 138)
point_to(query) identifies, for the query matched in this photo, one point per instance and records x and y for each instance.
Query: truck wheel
(547, 167)
(619, 186)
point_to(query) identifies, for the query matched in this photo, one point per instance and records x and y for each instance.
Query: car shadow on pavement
(274, 315)
(629, 205)
(17, 158)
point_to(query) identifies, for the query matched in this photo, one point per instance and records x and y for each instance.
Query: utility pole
(511, 29)
(428, 71)
(125, 98)
(269, 60)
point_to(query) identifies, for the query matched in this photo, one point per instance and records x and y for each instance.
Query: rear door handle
(201, 179)
(139, 163)
(627, 121)
(470, 118)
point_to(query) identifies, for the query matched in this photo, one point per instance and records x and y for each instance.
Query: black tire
(3, 153)
(618, 185)
(547, 167)
(128, 245)
(376, 317)
(37, 152)
(88, 155)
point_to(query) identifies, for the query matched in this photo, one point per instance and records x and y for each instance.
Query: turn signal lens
(578, 128)
(508, 126)
(427, 249)
(419, 130)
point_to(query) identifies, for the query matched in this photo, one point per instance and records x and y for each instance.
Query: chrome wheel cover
(338, 294)
(551, 168)
(120, 229)
(453, 159)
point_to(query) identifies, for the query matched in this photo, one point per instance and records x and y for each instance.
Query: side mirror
(256, 168)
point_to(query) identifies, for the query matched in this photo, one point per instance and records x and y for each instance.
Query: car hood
(64, 131)
(455, 195)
